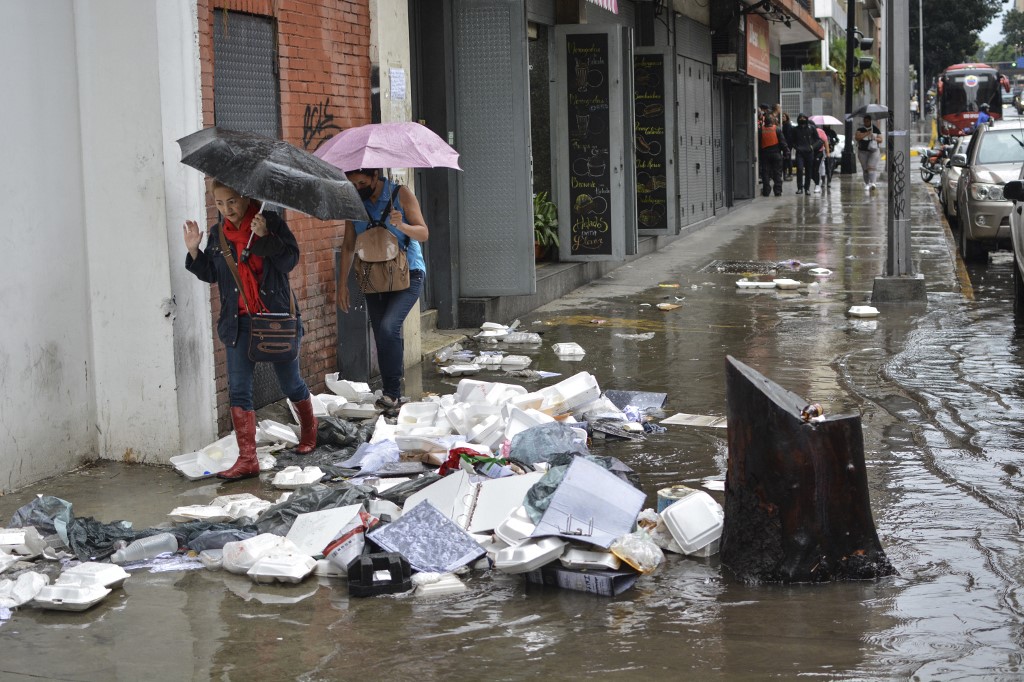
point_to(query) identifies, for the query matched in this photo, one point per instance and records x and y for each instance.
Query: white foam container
(514, 362)
(754, 284)
(571, 350)
(786, 283)
(240, 556)
(516, 527)
(292, 478)
(70, 597)
(110, 576)
(276, 432)
(461, 369)
(569, 394)
(519, 420)
(694, 521)
(212, 559)
(351, 390)
(447, 583)
(574, 557)
(357, 411)
(282, 567)
(529, 555)
(199, 512)
(418, 413)
(22, 541)
(325, 568)
(862, 311)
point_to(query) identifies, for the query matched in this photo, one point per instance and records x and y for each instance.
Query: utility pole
(898, 284)
(920, 51)
(847, 163)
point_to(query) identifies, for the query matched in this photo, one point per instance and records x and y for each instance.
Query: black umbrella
(272, 170)
(872, 110)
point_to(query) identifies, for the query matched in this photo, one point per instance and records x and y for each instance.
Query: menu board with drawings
(589, 144)
(651, 156)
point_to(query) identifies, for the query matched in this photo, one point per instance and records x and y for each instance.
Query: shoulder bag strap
(238, 280)
(391, 206)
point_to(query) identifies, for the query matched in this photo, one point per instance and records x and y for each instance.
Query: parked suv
(1014, 191)
(949, 177)
(994, 157)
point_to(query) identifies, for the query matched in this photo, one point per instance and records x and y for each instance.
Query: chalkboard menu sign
(589, 158)
(651, 172)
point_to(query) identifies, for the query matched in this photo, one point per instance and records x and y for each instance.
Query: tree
(1000, 52)
(1013, 28)
(951, 29)
(837, 59)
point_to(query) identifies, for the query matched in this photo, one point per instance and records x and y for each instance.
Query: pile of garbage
(490, 478)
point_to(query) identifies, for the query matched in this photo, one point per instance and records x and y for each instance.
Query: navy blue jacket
(280, 254)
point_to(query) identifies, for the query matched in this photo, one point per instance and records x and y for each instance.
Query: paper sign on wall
(397, 83)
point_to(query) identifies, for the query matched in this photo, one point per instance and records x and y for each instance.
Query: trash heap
(493, 477)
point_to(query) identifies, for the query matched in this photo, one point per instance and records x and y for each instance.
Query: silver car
(948, 178)
(1014, 191)
(994, 157)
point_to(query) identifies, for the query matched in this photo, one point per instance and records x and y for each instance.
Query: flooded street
(940, 390)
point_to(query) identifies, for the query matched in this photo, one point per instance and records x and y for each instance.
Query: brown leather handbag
(381, 264)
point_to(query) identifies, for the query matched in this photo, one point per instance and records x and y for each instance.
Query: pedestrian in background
(788, 128)
(821, 161)
(869, 151)
(388, 310)
(773, 152)
(264, 251)
(807, 143)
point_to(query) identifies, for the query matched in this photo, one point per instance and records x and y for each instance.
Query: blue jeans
(387, 313)
(241, 368)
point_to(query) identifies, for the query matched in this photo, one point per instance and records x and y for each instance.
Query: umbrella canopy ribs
(796, 491)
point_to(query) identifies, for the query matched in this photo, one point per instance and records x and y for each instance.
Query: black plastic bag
(279, 518)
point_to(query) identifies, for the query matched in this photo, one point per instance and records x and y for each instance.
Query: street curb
(963, 280)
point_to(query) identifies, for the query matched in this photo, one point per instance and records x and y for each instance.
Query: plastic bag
(23, 590)
(47, 513)
(542, 442)
(216, 539)
(370, 457)
(639, 551)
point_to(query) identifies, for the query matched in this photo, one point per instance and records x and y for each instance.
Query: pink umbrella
(825, 120)
(402, 144)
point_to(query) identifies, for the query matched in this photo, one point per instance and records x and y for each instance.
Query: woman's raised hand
(193, 236)
(259, 226)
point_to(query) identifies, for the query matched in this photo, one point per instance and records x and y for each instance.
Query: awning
(610, 5)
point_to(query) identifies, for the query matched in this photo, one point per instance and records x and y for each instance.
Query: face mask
(365, 192)
(802, 121)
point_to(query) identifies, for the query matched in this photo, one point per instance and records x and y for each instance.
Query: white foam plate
(110, 576)
(785, 283)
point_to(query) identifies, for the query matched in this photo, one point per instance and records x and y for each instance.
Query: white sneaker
(817, 189)
(867, 188)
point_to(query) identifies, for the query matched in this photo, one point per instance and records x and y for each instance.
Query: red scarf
(251, 270)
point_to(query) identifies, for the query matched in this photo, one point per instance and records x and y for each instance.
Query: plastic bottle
(146, 548)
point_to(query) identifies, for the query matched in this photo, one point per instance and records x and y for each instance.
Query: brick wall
(324, 64)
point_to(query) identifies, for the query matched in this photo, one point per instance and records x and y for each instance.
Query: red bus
(962, 89)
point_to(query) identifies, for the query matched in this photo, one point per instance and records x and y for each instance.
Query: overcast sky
(993, 33)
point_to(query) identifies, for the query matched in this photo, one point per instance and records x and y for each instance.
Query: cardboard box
(605, 583)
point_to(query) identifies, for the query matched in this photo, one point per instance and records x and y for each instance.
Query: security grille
(245, 97)
(741, 267)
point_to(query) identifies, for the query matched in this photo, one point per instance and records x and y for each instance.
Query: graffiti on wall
(318, 125)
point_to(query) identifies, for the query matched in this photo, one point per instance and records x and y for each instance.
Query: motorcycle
(932, 161)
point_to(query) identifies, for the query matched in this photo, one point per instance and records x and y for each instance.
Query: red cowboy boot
(248, 465)
(307, 424)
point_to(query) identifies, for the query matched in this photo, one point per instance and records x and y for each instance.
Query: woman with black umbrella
(263, 251)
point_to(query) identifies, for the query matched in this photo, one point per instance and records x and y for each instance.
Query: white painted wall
(46, 405)
(124, 157)
(107, 350)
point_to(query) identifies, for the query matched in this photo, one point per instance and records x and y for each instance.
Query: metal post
(847, 164)
(897, 263)
(920, 50)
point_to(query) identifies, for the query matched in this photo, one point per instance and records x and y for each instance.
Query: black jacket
(280, 254)
(805, 138)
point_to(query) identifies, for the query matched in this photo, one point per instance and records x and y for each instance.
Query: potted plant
(545, 225)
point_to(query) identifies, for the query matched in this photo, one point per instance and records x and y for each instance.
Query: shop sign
(758, 48)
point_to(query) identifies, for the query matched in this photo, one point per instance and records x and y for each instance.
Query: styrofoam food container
(574, 557)
(461, 369)
(694, 521)
(862, 311)
(70, 597)
(294, 477)
(568, 394)
(276, 431)
(418, 413)
(516, 527)
(493, 326)
(447, 583)
(352, 390)
(199, 512)
(786, 283)
(325, 568)
(520, 420)
(284, 567)
(754, 284)
(110, 576)
(514, 362)
(357, 410)
(529, 555)
(212, 559)
(571, 349)
(239, 557)
(24, 541)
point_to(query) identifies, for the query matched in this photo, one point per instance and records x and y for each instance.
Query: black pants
(806, 170)
(771, 173)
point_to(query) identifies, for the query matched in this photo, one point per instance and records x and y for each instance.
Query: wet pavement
(939, 388)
